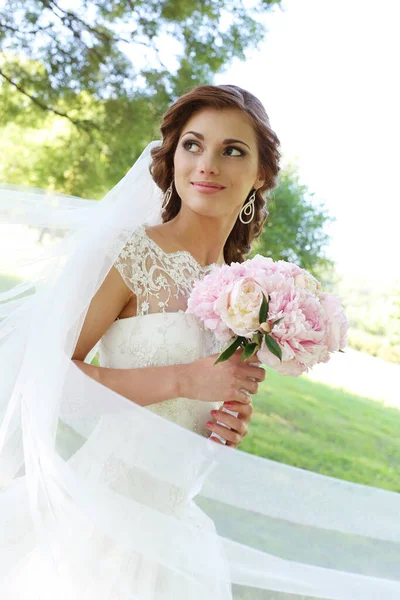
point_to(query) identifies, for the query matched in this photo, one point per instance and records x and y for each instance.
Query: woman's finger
(228, 420)
(216, 440)
(238, 425)
(245, 411)
(229, 435)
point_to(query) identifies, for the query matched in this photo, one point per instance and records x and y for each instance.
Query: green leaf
(249, 350)
(277, 321)
(243, 340)
(257, 338)
(230, 350)
(273, 346)
(264, 309)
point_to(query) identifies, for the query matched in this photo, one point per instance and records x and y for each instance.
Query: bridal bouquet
(273, 309)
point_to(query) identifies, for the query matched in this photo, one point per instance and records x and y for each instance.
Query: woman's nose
(208, 164)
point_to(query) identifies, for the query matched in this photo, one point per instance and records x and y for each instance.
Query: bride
(112, 487)
(210, 164)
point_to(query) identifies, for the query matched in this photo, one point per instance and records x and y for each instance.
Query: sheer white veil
(74, 454)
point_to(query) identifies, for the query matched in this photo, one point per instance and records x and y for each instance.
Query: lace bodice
(161, 281)
(161, 333)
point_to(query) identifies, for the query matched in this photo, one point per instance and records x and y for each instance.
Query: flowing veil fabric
(76, 458)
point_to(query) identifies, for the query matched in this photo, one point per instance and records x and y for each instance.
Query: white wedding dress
(162, 283)
(161, 333)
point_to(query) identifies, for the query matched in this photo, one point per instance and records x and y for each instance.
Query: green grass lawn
(319, 428)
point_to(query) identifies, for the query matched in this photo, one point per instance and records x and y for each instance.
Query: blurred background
(83, 86)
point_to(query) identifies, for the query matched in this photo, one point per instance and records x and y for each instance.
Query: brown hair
(241, 237)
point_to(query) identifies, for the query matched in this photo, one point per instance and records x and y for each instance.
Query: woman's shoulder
(138, 247)
(133, 243)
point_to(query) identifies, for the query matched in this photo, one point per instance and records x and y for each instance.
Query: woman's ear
(259, 182)
(261, 179)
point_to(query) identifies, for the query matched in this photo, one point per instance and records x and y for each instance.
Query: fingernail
(228, 404)
(213, 412)
(209, 424)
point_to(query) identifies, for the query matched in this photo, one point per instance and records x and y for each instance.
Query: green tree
(44, 150)
(110, 47)
(295, 228)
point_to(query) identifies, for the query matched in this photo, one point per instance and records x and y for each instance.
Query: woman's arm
(143, 386)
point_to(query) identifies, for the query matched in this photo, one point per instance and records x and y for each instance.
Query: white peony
(240, 307)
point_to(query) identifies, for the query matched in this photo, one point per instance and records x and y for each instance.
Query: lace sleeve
(161, 281)
(126, 265)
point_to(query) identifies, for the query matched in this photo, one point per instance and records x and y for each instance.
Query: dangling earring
(248, 209)
(167, 195)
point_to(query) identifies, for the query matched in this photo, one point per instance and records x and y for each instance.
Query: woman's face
(216, 162)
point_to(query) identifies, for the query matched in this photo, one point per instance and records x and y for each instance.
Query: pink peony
(270, 267)
(301, 332)
(336, 323)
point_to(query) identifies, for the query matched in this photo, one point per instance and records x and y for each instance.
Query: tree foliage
(296, 227)
(110, 49)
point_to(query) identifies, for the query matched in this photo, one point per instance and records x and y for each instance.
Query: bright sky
(328, 75)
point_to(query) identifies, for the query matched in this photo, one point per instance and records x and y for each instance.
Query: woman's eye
(194, 147)
(189, 146)
(232, 151)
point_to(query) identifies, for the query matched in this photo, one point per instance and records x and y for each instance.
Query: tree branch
(43, 106)
(131, 4)
(74, 17)
(16, 30)
(106, 36)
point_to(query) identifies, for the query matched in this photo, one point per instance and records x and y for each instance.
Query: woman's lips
(207, 188)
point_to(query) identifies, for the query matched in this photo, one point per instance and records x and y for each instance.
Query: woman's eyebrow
(232, 141)
(226, 141)
(199, 135)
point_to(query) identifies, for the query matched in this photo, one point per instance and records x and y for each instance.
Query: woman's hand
(238, 425)
(232, 381)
